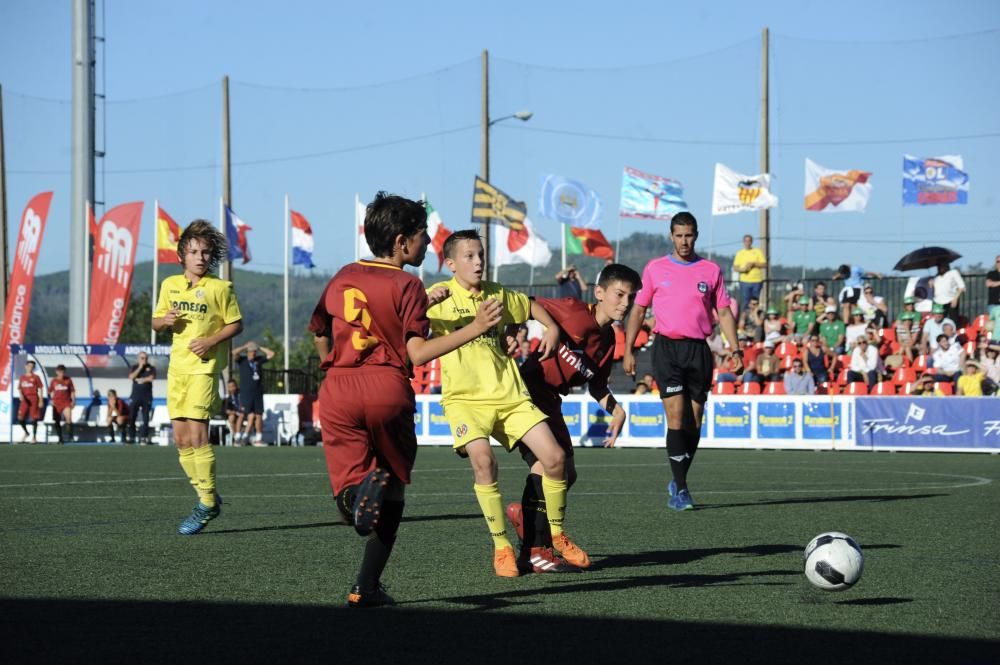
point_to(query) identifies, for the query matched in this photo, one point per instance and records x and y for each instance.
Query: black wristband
(611, 404)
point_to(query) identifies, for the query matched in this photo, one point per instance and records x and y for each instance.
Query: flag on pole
(648, 196)
(587, 241)
(934, 180)
(735, 192)
(302, 241)
(829, 190)
(524, 246)
(569, 202)
(168, 233)
(491, 205)
(437, 231)
(363, 251)
(236, 233)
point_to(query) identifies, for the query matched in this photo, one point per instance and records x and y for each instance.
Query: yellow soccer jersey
(479, 371)
(205, 307)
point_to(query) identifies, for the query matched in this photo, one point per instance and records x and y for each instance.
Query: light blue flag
(569, 202)
(650, 196)
(934, 180)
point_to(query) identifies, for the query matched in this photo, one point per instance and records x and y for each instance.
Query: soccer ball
(833, 561)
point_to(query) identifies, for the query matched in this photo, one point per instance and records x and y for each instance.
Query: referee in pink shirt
(686, 292)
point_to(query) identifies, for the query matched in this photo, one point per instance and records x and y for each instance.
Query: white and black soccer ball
(833, 561)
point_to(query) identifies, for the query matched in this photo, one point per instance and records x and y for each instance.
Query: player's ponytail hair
(208, 234)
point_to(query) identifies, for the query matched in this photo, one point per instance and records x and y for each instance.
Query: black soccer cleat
(345, 503)
(368, 504)
(376, 597)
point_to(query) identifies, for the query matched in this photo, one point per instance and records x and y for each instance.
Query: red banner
(29, 241)
(111, 278)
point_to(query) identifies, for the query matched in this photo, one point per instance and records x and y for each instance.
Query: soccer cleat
(544, 560)
(672, 488)
(199, 517)
(345, 503)
(570, 551)
(516, 518)
(681, 501)
(368, 504)
(505, 563)
(376, 597)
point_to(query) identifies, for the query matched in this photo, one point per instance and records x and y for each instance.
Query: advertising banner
(646, 419)
(928, 423)
(115, 242)
(731, 420)
(776, 420)
(572, 413)
(821, 420)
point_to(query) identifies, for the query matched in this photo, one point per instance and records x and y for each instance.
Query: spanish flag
(489, 204)
(167, 235)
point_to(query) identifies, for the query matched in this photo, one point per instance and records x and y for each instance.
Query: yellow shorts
(506, 423)
(194, 396)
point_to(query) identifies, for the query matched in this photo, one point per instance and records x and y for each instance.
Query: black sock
(69, 431)
(59, 430)
(691, 439)
(379, 544)
(534, 515)
(677, 454)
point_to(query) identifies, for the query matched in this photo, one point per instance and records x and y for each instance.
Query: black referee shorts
(683, 367)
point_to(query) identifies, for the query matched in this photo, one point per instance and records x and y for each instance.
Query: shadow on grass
(673, 557)
(875, 601)
(77, 631)
(323, 525)
(873, 498)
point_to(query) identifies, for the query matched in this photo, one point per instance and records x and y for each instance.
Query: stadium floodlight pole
(287, 346)
(484, 154)
(765, 214)
(156, 263)
(226, 198)
(82, 167)
(3, 210)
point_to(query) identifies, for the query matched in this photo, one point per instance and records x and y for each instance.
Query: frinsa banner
(115, 243)
(928, 423)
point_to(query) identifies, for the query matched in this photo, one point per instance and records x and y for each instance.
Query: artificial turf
(93, 570)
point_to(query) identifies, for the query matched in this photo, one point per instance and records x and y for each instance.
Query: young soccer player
(585, 355)
(375, 317)
(30, 388)
(62, 392)
(686, 291)
(484, 395)
(202, 311)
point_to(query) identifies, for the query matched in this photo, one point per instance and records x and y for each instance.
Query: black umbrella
(926, 257)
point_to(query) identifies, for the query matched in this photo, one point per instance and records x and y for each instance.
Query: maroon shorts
(34, 406)
(58, 408)
(367, 421)
(549, 402)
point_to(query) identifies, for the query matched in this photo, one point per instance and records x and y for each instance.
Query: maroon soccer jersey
(61, 391)
(30, 386)
(374, 310)
(585, 350)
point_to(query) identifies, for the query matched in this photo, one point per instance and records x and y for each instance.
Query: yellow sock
(555, 503)
(204, 459)
(491, 504)
(187, 463)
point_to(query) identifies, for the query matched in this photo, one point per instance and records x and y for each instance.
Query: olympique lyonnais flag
(828, 190)
(236, 233)
(111, 277)
(168, 233)
(588, 241)
(524, 246)
(735, 192)
(489, 204)
(649, 196)
(437, 231)
(22, 278)
(935, 180)
(363, 251)
(569, 202)
(302, 241)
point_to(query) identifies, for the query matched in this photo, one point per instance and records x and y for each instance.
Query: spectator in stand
(29, 386)
(908, 330)
(833, 331)
(749, 262)
(731, 368)
(924, 304)
(993, 292)
(250, 359)
(793, 298)
(948, 289)
(933, 327)
(774, 328)
(948, 359)
(971, 383)
(924, 386)
(766, 366)
(234, 411)
(751, 322)
(874, 307)
(571, 284)
(650, 381)
(990, 362)
(62, 392)
(855, 328)
(640, 389)
(117, 415)
(817, 356)
(798, 381)
(803, 320)
(864, 363)
(820, 299)
(948, 330)
(142, 375)
(853, 277)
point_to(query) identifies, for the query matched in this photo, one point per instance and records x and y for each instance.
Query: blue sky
(332, 98)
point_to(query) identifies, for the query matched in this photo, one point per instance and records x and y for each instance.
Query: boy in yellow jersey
(203, 314)
(484, 396)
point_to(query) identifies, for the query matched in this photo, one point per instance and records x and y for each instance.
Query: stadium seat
(774, 388)
(904, 375)
(842, 377)
(750, 354)
(856, 388)
(969, 348)
(920, 363)
(888, 334)
(786, 349)
(884, 388)
(977, 325)
(750, 388)
(844, 360)
(786, 362)
(724, 388)
(907, 387)
(944, 388)
(715, 375)
(827, 388)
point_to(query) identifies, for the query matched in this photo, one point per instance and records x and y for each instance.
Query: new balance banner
(29, 241)
(111, 277)
(735, 192)
(934, 180)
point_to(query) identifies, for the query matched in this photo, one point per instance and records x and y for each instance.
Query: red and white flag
(29, 241)
(438, 233)
(524, 246)
(111, 279)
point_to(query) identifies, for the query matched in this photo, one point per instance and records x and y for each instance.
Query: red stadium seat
(888, 334)
(944, 388)
(920, 363)
(715, 375)
(774, 388)
(786, 362)
(884, 388)
(750, 388)
(969, 348)
(904, 375)
(786, 349)
(750, 354)
(724, 388)
(842, 377)
(856, 388)
(844, 360)
(907, 388)
(827, 388)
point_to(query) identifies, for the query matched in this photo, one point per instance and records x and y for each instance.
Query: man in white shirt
(933, 327)
(948, 360)
(864, 363)
(948, 288)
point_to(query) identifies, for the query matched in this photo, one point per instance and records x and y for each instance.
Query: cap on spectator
(909, 300)
(856, 311)
(830, 309)
(909, 316)
(938, 308)
(994, 345)
(772, 310)
(804, 300)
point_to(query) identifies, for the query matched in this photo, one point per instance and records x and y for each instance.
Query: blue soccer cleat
(200, 517)
(672, 488)
(368, 501)
(681, 501)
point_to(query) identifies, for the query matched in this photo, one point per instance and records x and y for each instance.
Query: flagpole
(156, 262)
(286, 296)
(563, 245)
(86, 266)
(357, 228)
(423, 199)
(618, 243)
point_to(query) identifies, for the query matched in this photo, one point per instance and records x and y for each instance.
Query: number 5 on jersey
(352, 312)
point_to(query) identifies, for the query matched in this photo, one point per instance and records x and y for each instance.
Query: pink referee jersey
(683, 295)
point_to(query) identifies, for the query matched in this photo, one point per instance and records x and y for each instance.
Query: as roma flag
(111, 279)
(29, 241)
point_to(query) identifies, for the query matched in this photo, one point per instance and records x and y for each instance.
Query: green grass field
(93, 571)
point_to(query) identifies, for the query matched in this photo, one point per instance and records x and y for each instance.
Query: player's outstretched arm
(609, 403)
(632, 326)
(550, 338)
(421, 350)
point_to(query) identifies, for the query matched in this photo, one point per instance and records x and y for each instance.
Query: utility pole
(3, 210)
(227, 192)
(765, 215)
(484, 155)
(82, 178)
